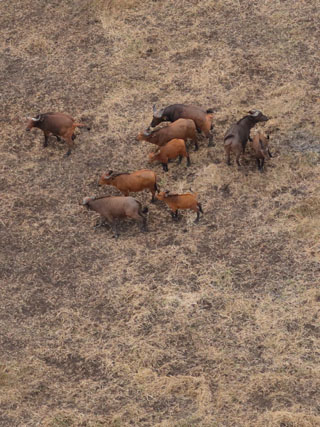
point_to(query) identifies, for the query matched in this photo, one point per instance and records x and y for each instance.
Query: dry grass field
(215, 324)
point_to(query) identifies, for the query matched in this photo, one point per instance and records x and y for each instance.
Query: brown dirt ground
(215, 324)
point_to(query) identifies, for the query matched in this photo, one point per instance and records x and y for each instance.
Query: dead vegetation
(215, 324)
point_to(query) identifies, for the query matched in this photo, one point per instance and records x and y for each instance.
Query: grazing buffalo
(181, 129)
(203, 119)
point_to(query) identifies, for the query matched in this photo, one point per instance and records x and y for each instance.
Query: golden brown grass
(215, 324)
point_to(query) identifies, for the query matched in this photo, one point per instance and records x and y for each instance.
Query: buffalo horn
(254, 113)
(157, 114)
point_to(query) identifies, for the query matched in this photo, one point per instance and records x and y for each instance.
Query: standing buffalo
(112, 208)
(181, 201)
(202, 119)
(57, 124)
(181, 129)
(260, 147)
(237, 136)
(172, 149)
(144, 179)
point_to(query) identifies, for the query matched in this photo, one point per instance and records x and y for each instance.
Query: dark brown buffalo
(203, 119)
(58, 124)
(236, 137)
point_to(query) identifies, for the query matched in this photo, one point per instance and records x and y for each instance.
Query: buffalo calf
(181, 201)
(173, 149)
(260, 147)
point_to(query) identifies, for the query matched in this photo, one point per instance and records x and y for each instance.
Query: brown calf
(260, 147)
(57, 124)
(181, 129)
(131, 182)
(172, 149)
(113, 207)
(181, 201)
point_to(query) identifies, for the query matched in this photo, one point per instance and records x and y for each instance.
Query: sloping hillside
(215, 324)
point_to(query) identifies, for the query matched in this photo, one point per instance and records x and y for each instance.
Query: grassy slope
(215, 324)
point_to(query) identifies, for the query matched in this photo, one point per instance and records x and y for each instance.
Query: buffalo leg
(258, 163)
(46, 137)
(69, 141)
(227, 150)
(144, 223)
(180, 159)
(140, 217)
(210, 144)
(174, 215)
(261, 165)
(165, 167)
(198, 217)
(196, 145)
(114, 229)
(188, 161)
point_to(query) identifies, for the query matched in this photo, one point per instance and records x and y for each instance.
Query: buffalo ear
(39, 118)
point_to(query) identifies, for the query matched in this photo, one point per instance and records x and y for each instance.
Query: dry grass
(215, 324)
